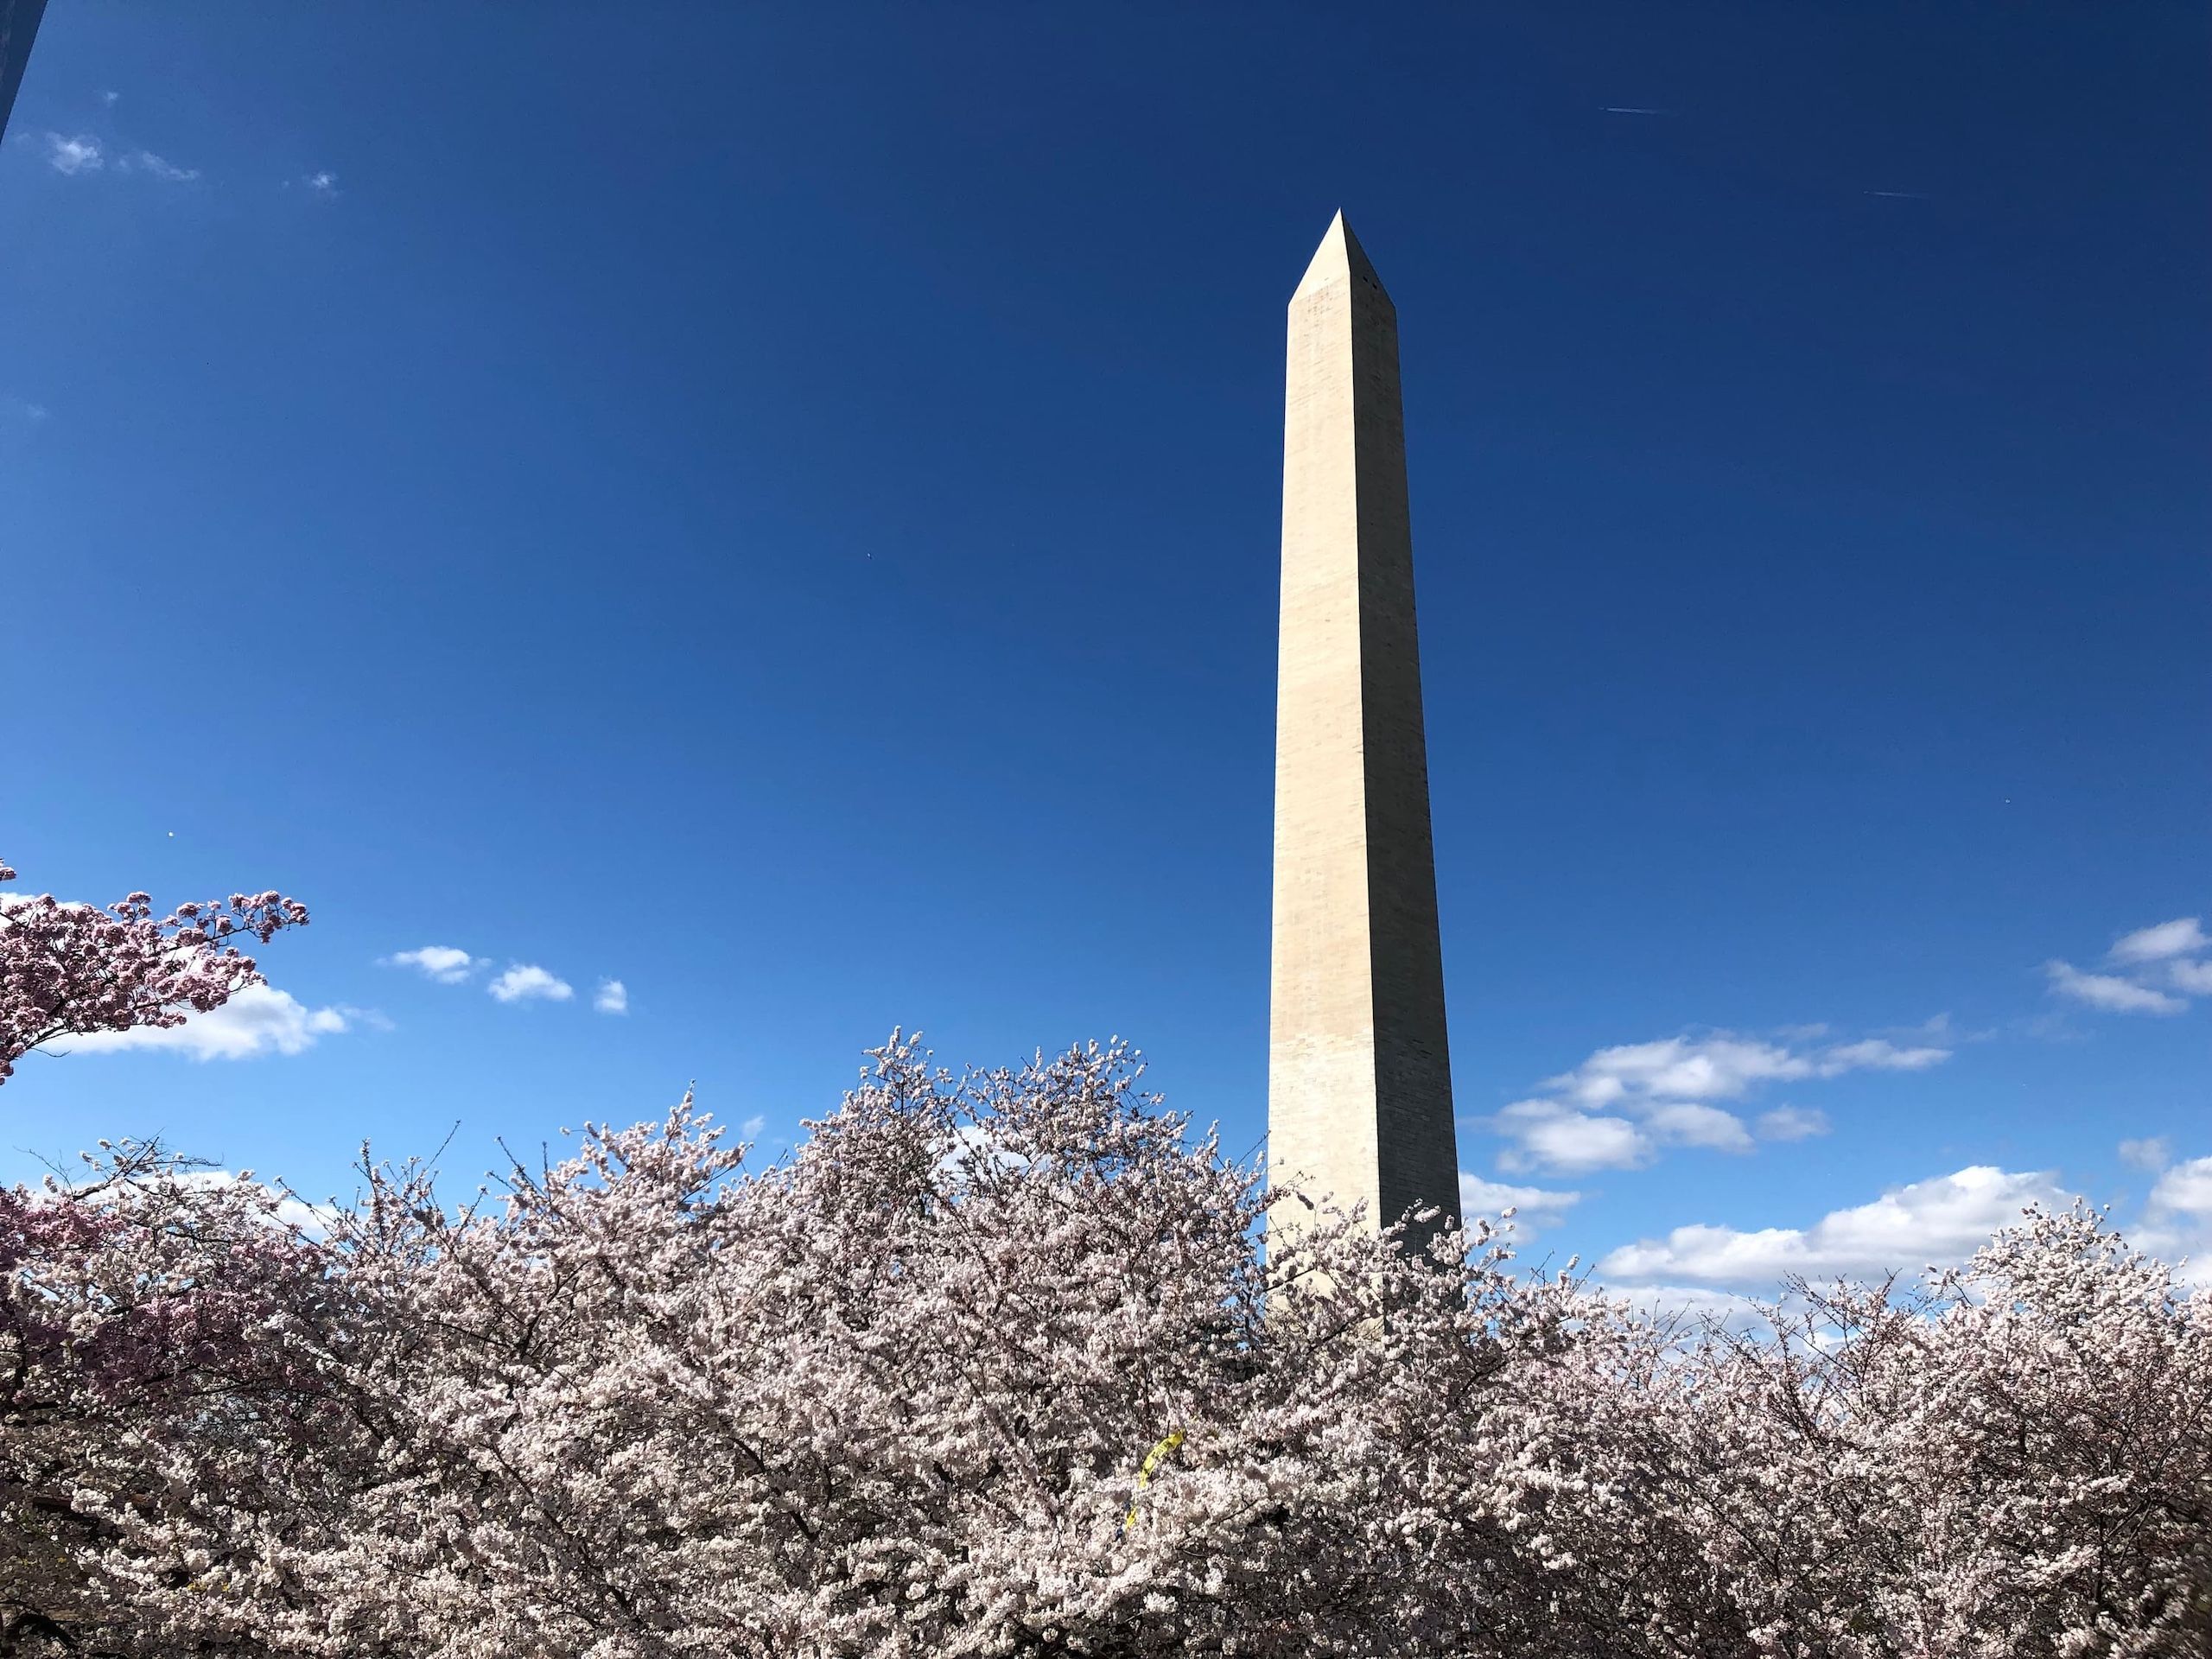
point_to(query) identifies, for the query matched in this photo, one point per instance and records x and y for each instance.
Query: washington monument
(1359, 1075)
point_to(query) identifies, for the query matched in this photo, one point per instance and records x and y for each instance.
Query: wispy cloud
(80, 153)
(72, 155)
(1792, 1123)
(2109, 993)
(525, 982)
(145, 161)
(1624, 1105)
(2153, 1153)
(2156, 970)
(1877, 1054)
(2190, 978)
(611, 997)
(21, 411)
(1931, 1221)
(2182, 936)
(750, 1129)
(322, 183)
(443, 962)
(259, 1019)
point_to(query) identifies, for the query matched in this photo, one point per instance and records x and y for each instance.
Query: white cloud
(1618, 1108)
(293, 1211)
(1722, 1067)
(1691, 1305)
(1680, 1068)
(2153, 1154)
(2108, 992)
(750, 1129)
(2182, 936)
(2166, 953)
(1792, 1123)
(2190, 978)
(109, 99)
(145, 161)
(1549, 1135)
(1686, 1125)
(1875, 1055)
(2177, 1224)
(612, 997)
(525, 982)
(323, 183)
(1534, 1207)
(259, 1019)
(72, 155)
(1940, 1220)
(442, 963)
(2185, 1188)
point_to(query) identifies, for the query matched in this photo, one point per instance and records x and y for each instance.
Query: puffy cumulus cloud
(2176, 1222)
(1719, 1067)
(443, 962)
(1683, 1124)
(2109, 993)
(525, 982)
(1625, 1105)
(1936, 1221)
(2186, 1188)
(1549, 1135)
(259, 1019)
(73, 156)
(1723, 1066)
(1534, 1208)
(2182, 936)
(611, 997)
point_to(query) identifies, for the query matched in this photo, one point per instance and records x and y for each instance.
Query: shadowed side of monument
(1359, 1079)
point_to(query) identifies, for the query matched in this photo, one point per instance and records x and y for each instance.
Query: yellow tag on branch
(1144, 1472)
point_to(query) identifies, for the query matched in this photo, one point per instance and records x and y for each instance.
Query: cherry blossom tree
(68, 969)
(159, 1344)
(998, 1365)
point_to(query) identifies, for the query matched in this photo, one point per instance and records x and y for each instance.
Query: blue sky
(777, 507)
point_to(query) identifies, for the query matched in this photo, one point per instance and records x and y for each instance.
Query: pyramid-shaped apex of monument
(1340, 258)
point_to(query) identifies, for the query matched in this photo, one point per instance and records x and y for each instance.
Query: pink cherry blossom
(66, 969)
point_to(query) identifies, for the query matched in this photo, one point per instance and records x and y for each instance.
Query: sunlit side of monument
(1359, 1078)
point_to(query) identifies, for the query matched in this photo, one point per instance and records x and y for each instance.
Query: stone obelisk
(1359, 1077)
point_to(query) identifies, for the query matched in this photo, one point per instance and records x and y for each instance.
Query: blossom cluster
(1002, 1365)
(67, 970)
